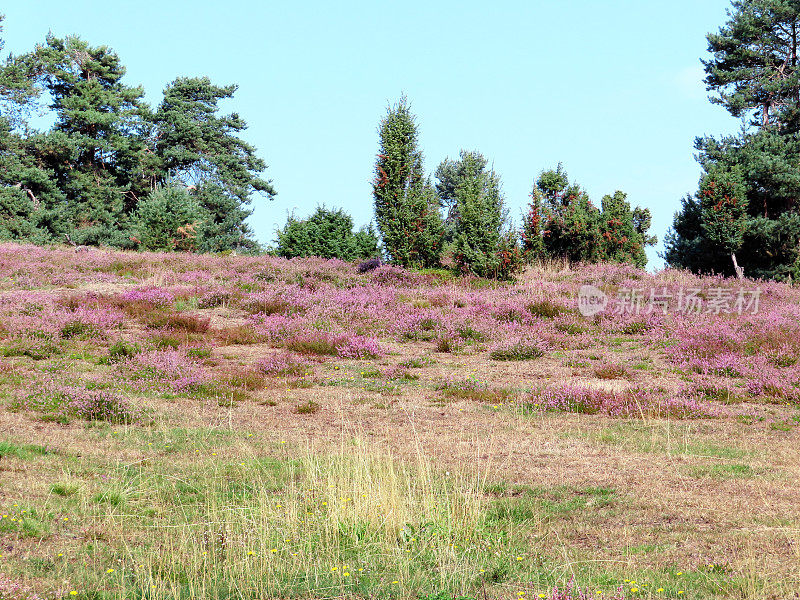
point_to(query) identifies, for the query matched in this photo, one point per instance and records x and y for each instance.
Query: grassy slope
(291, 429)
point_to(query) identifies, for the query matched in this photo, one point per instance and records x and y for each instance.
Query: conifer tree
(406, 206)
(97, 137)
(753, 72)
(326, 234)
(202, 148)
(476, 214)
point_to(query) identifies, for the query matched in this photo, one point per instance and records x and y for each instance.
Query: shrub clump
(518, 351)
(307, 408)
(547, 309)
(61, 403)
(284, 365)
(77, 328)
(634, 402)
(325, 344)
(122, 350)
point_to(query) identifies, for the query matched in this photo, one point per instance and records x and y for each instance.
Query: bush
(369, 265)
(547, 309)
(177, 321)
(307, 408)
(477, 218)
(79, 329)
(169, 219)
(326, 234)
(520, 351)
(122, 350)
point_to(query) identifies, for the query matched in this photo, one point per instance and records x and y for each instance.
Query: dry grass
(408, 478)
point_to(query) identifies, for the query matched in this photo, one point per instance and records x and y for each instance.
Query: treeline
(746, 212)
(112, 170)
(459, 217)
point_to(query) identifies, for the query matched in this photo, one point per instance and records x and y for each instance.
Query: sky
(611, 89)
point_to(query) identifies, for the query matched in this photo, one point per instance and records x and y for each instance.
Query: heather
(234, 426)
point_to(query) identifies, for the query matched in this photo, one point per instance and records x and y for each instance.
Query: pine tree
(201, 148)
(754, 65)
(97, 137)
(753, 72)
(406, 206)
(28, 193)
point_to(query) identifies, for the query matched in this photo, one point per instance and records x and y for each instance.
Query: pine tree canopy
(90, 175)
(749, 194)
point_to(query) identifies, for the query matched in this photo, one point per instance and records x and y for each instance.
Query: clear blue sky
(612, 89)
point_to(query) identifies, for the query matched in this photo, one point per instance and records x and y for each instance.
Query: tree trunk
(739, 270)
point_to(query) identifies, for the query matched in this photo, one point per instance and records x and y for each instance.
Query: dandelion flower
(73, 593)
(659, 590)
(250, 553)
(109, 570)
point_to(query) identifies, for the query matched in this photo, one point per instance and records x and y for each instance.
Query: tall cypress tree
(406, 206)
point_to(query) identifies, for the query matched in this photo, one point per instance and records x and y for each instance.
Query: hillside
(185, 426)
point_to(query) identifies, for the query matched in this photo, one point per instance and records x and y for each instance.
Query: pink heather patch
(636, 402)
(14, 590)
(166, 367)
(61, 401)
(284, 364)
(154, 296)
(360, 347)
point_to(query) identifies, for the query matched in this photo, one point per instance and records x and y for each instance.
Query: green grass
(24, 451)
(728, 471)
(663, 438)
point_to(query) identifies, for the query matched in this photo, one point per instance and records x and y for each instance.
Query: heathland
(197, 426)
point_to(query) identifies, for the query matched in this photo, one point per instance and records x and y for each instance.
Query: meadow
(197, 426)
